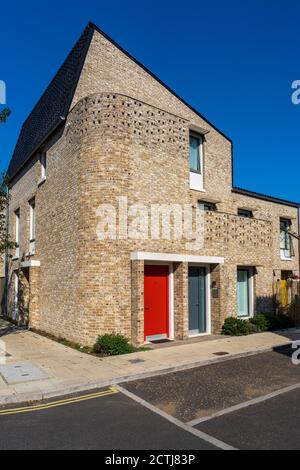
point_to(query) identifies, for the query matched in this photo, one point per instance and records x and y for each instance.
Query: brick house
(106, 130)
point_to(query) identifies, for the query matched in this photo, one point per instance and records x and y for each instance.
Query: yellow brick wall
(126, 135)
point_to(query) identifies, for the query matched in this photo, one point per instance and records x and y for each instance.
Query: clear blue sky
(232, 60)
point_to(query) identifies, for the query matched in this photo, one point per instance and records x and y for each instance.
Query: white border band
(30, 264)
(175, 258)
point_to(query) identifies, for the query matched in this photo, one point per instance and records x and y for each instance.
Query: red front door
(156, 301)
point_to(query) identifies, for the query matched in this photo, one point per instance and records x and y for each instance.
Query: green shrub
(237, 327)
(278, 321)
(113, 345)
(252, 328)
(261, 322)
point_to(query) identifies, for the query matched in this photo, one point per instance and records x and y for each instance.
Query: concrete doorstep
(34, 368)
(6, 327)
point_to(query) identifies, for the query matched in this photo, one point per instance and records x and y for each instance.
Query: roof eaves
(264, 197)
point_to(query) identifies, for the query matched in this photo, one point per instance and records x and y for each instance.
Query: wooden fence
(287, 298)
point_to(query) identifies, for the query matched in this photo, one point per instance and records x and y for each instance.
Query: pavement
(246, 403)
(36, 368)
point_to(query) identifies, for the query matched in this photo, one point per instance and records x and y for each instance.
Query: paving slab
(21, 372)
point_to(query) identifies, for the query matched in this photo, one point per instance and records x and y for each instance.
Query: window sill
(30, 254)
(286, 259)
(31, 264)
(15, 258)
(198, 190)
(41, 181)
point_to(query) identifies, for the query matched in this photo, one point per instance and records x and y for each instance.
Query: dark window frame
(199, 137)
(285, 225)
(32, 225)
(245, 213)
(208, 206)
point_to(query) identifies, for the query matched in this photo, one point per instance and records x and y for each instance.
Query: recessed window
(196, 162)
(195, 153)
(247, 214)
(208, 206)
(43, 160)
(285, 239)
(17, 233)
(32, 227)
(244, 293)
(16, 297)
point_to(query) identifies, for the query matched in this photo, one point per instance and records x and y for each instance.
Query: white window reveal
(196, 162)
(32, 227)
(285, 239)
(17, 233)
(43, 166)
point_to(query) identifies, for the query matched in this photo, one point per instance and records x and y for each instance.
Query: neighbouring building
(2, 284)
(106, 128)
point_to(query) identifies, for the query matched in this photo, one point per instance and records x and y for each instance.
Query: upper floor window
(196, 162)
(32, 227)
(16, 297)
(285, 239)
(43, 160)
(17, 233)
(247, 214)
(208, 206)
(195, 153)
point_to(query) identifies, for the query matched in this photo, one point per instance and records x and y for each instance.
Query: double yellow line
(56, 404)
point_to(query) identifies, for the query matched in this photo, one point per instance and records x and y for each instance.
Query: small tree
(4, 114)
(5, 241)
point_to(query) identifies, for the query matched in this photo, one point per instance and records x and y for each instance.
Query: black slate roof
(52, 106)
